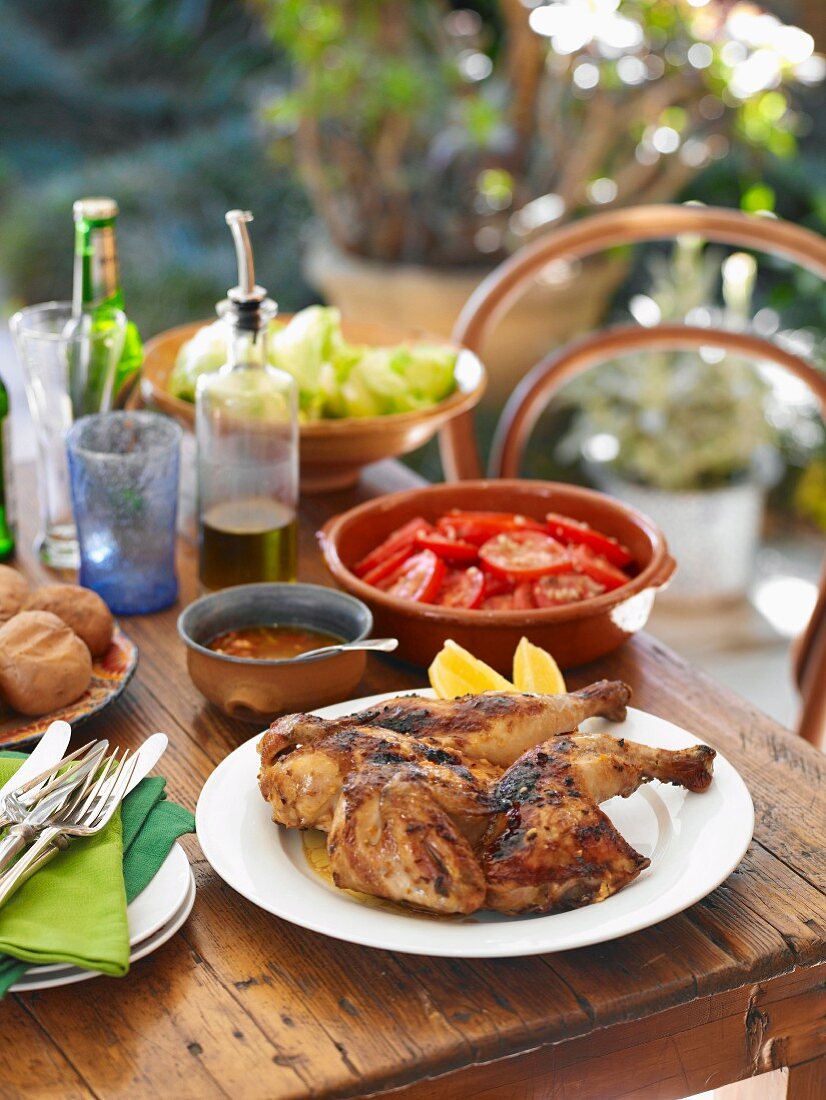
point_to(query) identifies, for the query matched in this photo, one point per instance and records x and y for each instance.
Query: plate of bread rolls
(62, 656)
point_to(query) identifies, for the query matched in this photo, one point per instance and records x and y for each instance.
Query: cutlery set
(55, 797)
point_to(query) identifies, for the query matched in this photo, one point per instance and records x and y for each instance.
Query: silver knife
(48, 751)
(21, 833)
(145, 758)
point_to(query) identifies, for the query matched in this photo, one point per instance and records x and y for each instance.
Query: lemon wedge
(535, 670)
(456, 672)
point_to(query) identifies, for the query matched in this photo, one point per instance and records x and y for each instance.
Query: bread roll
(14, 588)
(43, 664)
(79, 608)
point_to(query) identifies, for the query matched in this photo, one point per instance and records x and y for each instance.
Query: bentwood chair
(498, 292)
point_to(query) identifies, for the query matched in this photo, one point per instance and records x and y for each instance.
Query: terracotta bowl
(574, 634)
(332, 451)
(258, 690)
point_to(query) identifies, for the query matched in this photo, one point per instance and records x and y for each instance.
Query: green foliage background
(154, 103)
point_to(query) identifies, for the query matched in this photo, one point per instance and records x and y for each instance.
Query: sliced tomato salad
(496, 561)
(573, 531)
(462, 588)
(478, 527)
(419, 579)
(444, 547)
(387, 567)
(520, 599)
(403, 538)
(524, 555)
(568, 588)
(598, 568)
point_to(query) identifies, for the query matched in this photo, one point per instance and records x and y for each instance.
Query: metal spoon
(380, 645)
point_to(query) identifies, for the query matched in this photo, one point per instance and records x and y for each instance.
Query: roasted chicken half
(420, 805)
(549, 846)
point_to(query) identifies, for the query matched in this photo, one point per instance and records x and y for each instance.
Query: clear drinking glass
(124, 477)
(69, 368)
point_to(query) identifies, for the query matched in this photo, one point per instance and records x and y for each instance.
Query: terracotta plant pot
(568, 302)
(575, 633)
(332, 452)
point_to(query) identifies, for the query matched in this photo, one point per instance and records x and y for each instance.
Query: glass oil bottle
(247, 438)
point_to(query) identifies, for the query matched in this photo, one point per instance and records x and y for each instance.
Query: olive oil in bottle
(246, 540)
(246, 425)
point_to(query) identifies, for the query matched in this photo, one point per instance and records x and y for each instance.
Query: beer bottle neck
(96, 274)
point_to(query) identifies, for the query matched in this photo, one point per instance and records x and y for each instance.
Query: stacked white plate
(155, 916)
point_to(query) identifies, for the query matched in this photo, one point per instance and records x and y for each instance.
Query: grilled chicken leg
(494, 726)
(550, 846)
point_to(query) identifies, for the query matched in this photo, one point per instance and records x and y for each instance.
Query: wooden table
(242, 1004)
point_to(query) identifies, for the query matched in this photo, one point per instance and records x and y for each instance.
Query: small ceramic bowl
(575, 633)
(258, 690)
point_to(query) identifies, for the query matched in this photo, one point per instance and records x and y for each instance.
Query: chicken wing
(550, 847)
(494, 726)
(392, 837)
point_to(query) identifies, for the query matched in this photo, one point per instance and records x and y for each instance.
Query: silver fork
(87, 813)
(30, 821)
(17, 802)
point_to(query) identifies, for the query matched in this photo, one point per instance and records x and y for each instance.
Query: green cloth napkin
(74, 910)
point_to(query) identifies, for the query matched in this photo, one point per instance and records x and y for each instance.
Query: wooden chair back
(460, 456)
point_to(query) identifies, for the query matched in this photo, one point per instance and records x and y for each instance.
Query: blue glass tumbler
(123, 468)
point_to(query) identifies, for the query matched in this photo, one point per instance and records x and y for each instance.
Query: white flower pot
(712, 534)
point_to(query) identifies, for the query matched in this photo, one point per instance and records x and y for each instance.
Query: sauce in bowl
(271, 643)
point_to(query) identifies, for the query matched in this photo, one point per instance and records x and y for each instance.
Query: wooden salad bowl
(332, 451)
(574, 633)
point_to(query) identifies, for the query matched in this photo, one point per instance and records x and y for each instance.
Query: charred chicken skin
(395, 835)
(494, 726)
(549, 846)
(303, 781)
(488, 800)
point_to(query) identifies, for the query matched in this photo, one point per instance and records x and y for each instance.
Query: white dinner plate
(154, 915)
(694, 841)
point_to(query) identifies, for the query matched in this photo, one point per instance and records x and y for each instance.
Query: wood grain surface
(242, 1004)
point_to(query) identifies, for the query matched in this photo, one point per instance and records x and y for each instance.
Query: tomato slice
(447, 548)
(462, 588)
(523, 597)
(387, 567)
(496, 585)
(524, 555)
(520, 599)
(597, 567)
(401, 539)
(573, 530)
(569, 588)
(419, 578)
(478, 527)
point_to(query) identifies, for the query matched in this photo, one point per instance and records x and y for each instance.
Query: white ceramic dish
(155, 915)
(694, 842)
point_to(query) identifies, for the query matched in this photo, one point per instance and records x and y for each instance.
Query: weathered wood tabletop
(242, 1004)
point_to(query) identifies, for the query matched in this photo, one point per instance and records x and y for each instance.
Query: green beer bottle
(97, 281)
(6, 487)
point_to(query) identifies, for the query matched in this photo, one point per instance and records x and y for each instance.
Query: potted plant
(435, 139)
(684, 436)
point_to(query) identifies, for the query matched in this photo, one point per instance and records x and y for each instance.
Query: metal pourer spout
(247, 304)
